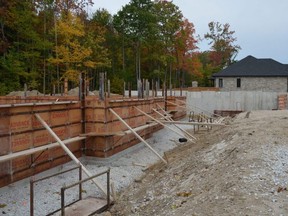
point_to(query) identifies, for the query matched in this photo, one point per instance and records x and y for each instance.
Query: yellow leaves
(71, 26)
(72, 75)
(89, 64)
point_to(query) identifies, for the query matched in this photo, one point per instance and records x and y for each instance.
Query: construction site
(157, 154)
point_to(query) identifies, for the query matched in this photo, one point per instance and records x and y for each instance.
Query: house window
(220, 84)
(238, 83)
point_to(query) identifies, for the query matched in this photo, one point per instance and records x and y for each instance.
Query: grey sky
(261, 26)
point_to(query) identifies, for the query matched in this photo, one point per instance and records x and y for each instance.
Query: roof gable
(253, 67)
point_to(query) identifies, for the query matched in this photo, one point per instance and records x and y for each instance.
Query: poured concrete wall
(209, 101)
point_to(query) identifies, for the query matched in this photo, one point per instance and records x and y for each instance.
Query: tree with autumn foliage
(72, 56)
(185, 47)
(223, 49)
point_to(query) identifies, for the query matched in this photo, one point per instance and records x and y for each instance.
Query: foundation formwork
(94, 130)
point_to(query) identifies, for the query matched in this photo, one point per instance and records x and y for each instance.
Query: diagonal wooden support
(170, 119)
(191, 123)
(187, 109)
(154, 119)
(137, 135)
(67, 150)
(206, 111)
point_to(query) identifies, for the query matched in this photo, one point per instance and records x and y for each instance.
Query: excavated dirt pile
(239, 169)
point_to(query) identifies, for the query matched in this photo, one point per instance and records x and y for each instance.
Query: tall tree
(169, 24)
(22, 44)
(185, 45)
(222, 44)
(72, 55)
(137, 22)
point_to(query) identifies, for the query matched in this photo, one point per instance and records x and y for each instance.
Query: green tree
(137, 23)
(169, 24)
(22, 44)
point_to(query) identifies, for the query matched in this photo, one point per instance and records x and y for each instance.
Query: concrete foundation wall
(209, 101)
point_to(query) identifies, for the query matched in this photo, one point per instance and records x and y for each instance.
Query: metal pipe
(62, 202)
(31, 197)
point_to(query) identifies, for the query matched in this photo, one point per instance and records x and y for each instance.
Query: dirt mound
(240, 169)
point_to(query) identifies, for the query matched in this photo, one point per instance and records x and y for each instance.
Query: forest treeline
(44, 42)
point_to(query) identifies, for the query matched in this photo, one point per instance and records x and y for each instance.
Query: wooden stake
(113, 190)
(161, 123)
(72, 156)
(38, 149)
(170, 119)
(137, 135)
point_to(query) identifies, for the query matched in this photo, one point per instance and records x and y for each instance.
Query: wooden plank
(137, 135)
(160, 122)
(191, 123)
(37, 149)
(170, 119)
(95, 134)
(71, 155)
(38, 104)
(85, 207)
(118, 133)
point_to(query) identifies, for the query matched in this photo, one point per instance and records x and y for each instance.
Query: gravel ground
(240, 169)
(15, 198)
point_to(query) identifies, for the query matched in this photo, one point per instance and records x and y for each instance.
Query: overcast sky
(261, 26)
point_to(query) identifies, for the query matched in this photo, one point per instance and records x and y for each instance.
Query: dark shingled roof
(253, 67)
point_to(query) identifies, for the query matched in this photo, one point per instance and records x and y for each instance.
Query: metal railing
(32, 182)
(80, 183)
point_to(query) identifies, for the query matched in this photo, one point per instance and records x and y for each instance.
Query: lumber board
(118, 133)
(37, 149)
(191, 123)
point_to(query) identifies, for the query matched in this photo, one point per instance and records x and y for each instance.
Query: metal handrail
(81, 182)
(32, 181)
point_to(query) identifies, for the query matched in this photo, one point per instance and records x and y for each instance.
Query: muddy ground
(239, 169)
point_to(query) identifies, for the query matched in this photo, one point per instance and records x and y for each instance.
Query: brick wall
(282, 102)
